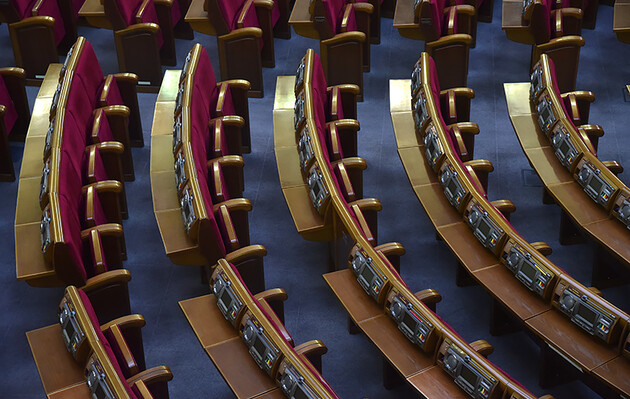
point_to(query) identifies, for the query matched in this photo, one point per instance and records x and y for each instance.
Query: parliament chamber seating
(621, 20)
(569, 320)
(14, 116)
(38, 29)
(448, 30)
(83, 164)
(343, 28)
(202, 183)
(428, 354)
(96, 350)
(242, 330)
(593, 200)
(144, 34)
(245, 30)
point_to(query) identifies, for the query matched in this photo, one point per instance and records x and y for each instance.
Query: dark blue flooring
(352, 365)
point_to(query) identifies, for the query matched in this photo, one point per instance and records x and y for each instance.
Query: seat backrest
(222, 12)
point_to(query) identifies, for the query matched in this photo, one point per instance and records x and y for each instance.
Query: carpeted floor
(352, 365)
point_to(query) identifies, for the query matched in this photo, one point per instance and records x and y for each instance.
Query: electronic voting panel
(318, 192)
(257, 337)
(299, 381)
(373, 280)
(412, 320)
(466, 372)
(71, 329)
(97, 380)
(485, 225)
(586, 310)
(528, 265)
(455, 183)
(544, 109)
(566, 147)
(599, 184)
(621, 207)
(230, 291)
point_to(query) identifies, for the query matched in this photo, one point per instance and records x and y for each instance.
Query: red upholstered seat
(10, 112)
(106, 344)
(48, 8)
(129, 8)
(88, 70)
(101, 128)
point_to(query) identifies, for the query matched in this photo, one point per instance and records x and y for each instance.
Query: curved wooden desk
(511, 299)
(610, 235)
(371, 312)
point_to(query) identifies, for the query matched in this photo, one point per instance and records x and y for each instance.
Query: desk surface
(61, 375)
(300, 20)
(197, 17)
(226, 349)
(94, 13)
(621, 20)
(567, 193)
(308, 221)
(30, 264)
(404, 15)
(554, 328)
(180, 248)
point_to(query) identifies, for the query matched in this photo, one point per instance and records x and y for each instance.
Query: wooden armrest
(240, 33)
(240, 84)
(459, 92)
(580, 95)
(568, 12)
(613, 166)
(15, 72)
(125, 78)
(429, 297)
(592, 130)
(314, 346)
(557, 42)
(391, 248)
(542, 247)
(235, 204)
(230, 231)
(141, 10)
(596, 291)
(228, 161)
(547, 397)
(248, 252)
(366, 8)
(39, 20)
(449, 40)
(450, 22)
(152, 375)
(465, 9)
(240, 22)
(107, 229)
(272, 295)
(263, 3)
(482, 347)
(353, 163)
(346, 88)
(344, 38)
(103, 186)
(506, 207)
(112, 147)
(467, 128)
(167, 3)
(347, 124)
(124, 322)
(480, 165)
(124, 349)
(114, 111)
(104, 279)
(230, 120)
(363, 224)
(345, 182)
(368, 204)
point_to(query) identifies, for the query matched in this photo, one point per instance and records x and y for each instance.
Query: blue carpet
(352, 365)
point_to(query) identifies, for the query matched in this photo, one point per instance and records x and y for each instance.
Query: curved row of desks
(402, 359)
(610, 236)
(562, 343)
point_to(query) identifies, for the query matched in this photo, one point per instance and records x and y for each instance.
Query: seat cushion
(10, 113)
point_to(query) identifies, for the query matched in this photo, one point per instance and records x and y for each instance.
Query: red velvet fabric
(69, 202)
(101, 337)
(88, 70)
(207, 199)
(334, 12)
(10, 113)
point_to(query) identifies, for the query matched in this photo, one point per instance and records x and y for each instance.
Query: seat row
(368, 283)
(563, 118)
(99, 347)
(15, 116)
(557, 293)
(210, 131)
(85, 158)
(237, 325)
